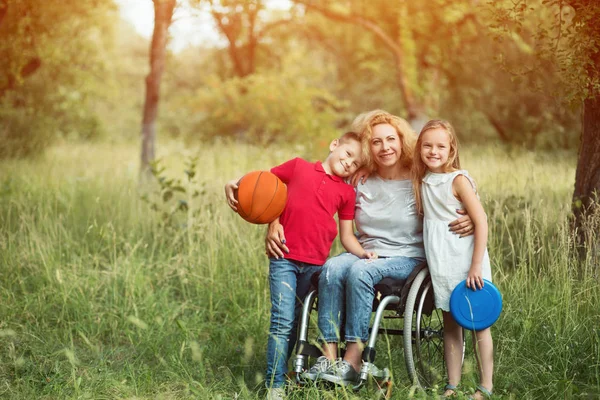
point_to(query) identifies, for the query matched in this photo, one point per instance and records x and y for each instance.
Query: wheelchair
(411, 300)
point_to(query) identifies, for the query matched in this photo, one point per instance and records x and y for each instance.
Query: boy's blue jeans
(347, 289)
(289, 282)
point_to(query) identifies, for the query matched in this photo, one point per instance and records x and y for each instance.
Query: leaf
(167, 195)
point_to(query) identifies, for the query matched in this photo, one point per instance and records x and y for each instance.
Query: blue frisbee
(476, 309)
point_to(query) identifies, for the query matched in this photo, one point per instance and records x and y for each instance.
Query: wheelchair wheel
(423, 334)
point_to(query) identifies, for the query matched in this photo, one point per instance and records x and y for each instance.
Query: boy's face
(345, 158)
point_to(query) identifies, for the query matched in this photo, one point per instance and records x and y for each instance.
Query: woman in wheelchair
(388, 224)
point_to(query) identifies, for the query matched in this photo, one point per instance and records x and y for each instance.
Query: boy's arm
(275, 240)
(350, 242)
(230, 188)
(360, 176)
(461, 186)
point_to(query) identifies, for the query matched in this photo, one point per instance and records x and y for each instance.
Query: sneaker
(320, 366)
(341, 373)
(276, 394)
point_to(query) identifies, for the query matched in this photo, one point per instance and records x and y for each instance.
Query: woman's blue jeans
(289, 282)
(346, 291)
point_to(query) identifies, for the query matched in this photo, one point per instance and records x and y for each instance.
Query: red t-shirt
(313, 199)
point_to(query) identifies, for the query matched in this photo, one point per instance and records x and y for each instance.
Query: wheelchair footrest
(308, 349)
(370, 370)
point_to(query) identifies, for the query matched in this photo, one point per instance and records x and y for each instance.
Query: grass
(103, 299)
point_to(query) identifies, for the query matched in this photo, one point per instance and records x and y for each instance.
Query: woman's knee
(336, 269)
(359, 274)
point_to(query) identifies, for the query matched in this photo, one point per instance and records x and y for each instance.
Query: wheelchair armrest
(314, 279)
(389, 286)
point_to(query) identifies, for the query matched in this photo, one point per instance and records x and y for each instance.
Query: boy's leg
(305, 271)
(282, 282)
(332, 287)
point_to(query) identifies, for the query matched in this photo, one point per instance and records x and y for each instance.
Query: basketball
(261, 197)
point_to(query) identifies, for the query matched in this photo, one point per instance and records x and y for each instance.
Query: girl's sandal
(481, 393)
(449, 391)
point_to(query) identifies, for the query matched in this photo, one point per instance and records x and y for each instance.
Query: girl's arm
(464, 191)
(350, 242)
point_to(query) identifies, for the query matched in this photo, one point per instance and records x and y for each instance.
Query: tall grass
(101, 299)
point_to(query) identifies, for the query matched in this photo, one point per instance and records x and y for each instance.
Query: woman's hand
(360, 176)
(462, 226)
(475, 278)
(275, 240)
(230, 188)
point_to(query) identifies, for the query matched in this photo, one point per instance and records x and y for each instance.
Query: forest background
(114, 289)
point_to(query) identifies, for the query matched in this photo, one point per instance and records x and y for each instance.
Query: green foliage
(174, 200)
(99, 300)
(276, 106)
(564, 34)
(59, 79)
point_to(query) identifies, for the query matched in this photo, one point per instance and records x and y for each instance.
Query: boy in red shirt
(316, 192)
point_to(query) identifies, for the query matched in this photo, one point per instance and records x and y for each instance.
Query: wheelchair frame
(422, 332)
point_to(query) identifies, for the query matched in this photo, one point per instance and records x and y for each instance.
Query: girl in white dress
(441, 188)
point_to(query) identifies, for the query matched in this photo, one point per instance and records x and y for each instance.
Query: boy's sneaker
(342, 373)
(276, 394)
(320, 366)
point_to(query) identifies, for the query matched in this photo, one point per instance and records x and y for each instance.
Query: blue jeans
(289, 281)
(346, 290)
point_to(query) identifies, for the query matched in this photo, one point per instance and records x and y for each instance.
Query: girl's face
(386, 147)
(435, 149)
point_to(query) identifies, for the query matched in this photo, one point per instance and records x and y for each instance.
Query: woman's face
(386, 147)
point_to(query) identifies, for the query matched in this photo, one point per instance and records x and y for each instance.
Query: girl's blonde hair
(364, 124)
(419, 168)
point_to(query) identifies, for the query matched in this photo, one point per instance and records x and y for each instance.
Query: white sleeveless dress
(448, 256)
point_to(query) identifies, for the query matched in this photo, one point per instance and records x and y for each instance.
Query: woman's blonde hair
(419, 168)
(364, 124)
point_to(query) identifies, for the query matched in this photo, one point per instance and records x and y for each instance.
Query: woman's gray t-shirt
(386, 218)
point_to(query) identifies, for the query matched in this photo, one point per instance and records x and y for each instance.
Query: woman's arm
(462, 226)
(350, 242)
(275, 240)
(464, 191)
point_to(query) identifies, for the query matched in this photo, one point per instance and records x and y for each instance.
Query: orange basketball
(261, 197)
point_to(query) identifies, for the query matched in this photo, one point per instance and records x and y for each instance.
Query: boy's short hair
(351, 135)
(346, 137)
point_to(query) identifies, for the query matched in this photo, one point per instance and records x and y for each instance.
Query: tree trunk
(163, 14)
(414, 110)
(587, 178)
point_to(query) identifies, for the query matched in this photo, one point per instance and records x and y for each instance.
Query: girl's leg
(453, 350)
(484, 353)
(332, 286)
(282, 282)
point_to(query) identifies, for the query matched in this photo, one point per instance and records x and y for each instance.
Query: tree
(394, 43)
(586, 196)
(52, 55)
(163, 15)
(572, 44)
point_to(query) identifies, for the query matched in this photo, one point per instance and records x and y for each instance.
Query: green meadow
(105, 295)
